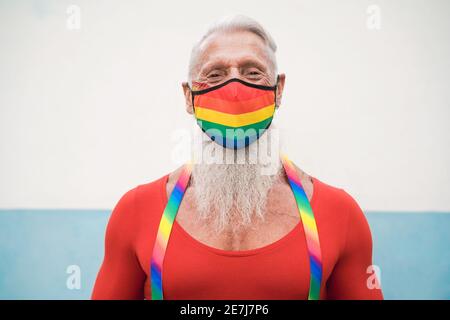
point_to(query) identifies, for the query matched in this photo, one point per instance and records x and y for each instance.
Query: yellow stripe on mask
(234, 120)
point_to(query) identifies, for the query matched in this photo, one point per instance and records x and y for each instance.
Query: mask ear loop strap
(276, 88)
(192, 97)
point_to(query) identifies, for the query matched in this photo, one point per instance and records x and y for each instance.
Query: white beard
(230, 195)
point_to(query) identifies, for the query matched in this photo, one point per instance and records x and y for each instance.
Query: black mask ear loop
(192, 97)
(276, 88)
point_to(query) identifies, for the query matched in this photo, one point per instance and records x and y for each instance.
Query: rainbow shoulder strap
(310, 228)
(171, 210)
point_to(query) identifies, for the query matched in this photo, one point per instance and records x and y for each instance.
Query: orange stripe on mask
(236, 107)
(236, 91)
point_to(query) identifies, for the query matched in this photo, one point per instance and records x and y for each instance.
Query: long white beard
(230, 196)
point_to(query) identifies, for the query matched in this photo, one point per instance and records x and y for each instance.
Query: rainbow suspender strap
(164, 230)
(171, 210)
(310, 228)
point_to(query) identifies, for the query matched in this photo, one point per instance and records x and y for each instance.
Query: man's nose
(234, 73)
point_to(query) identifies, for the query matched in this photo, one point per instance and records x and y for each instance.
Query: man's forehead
(220, 39)
(236, 46)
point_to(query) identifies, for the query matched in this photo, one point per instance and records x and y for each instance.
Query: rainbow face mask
(235, 113)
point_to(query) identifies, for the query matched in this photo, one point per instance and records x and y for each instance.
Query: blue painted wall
(36, 246)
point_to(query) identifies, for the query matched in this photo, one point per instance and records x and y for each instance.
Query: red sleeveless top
(193, 270)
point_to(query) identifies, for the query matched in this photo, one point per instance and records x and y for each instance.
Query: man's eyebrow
(220, 65)
(252, 63)
(212, 65)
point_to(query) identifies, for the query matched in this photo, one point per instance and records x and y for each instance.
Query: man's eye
(214, 75)
(253, 73)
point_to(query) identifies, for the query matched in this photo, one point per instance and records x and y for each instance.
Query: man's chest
(280, 218)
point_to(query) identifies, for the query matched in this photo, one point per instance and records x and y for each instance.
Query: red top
(193, 270)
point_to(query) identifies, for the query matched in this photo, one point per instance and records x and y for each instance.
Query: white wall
(87, 114)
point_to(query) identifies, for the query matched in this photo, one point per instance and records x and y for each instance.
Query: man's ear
(280, 87)
(188, 98)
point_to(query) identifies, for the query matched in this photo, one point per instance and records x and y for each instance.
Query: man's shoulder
(157, 189)
(338, 198)
(147, 194)
(340, 208)
(152, 190)
(330, 192)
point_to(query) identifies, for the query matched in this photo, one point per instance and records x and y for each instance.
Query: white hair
(234, 23)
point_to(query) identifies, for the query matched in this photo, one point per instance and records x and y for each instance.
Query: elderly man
(236, 232)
